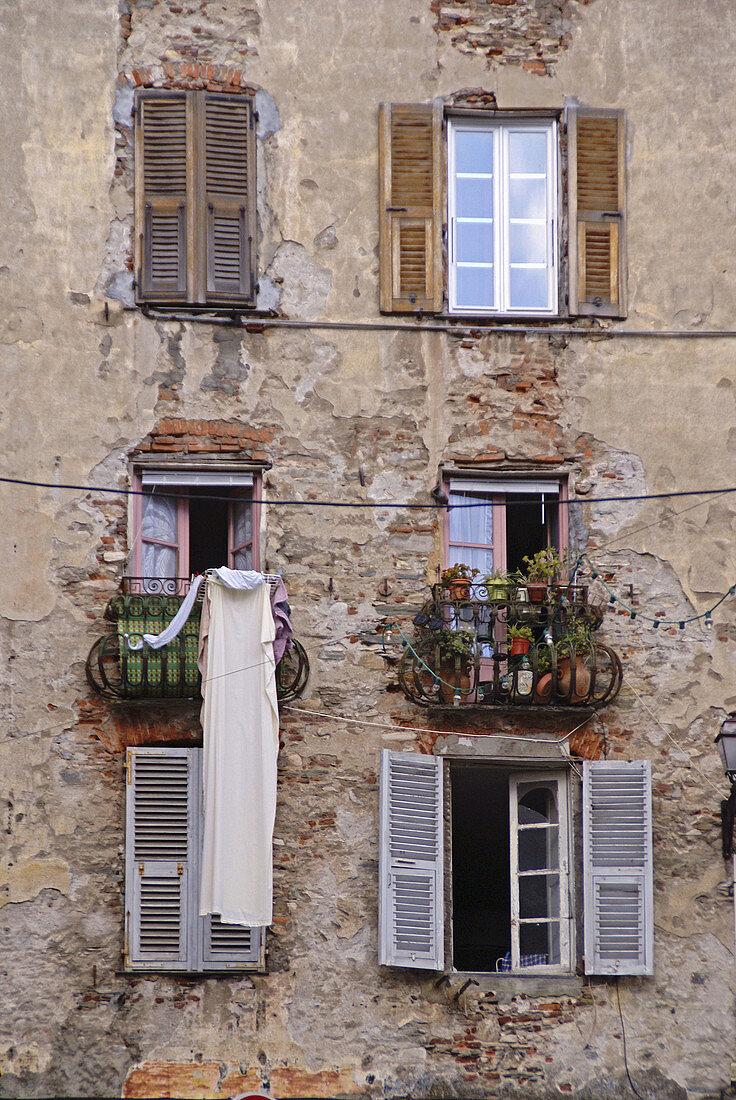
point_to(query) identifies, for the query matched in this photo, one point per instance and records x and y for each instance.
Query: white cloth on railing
(241, 742)
(155, 641)
(238, 578)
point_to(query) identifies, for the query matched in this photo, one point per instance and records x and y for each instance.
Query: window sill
(503, 986)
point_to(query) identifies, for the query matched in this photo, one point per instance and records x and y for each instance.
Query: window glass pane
(537, 804)
(527, 152)
(527, 243)
(475, 287)
(159, 522)
(539, 896)
(471, 526)
(538, 849)
(473, 151)
(474, 242)
(474, 198)
(528, 288)
(242, 534)
(539, 944)
(527, 198)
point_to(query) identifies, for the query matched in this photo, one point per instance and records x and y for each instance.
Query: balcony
(464, 653)
(147, 605)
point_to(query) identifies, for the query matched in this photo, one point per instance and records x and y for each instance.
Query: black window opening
(532, 524)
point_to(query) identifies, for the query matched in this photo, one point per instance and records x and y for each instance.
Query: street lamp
(726, 741)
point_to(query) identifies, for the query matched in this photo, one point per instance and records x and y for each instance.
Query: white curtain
(241, 742)
(159, 522)
(242, 532)
(468, 525)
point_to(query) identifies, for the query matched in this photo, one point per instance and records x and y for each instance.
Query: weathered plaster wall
(85, 379)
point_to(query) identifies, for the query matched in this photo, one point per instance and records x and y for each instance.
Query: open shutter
(411, 175)
(162, 195)
(229, 197)
(411, 905)
(597, 213)
(617, 867)
(160, 814)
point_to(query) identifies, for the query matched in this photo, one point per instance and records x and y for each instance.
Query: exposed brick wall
(528, 33)
(191, 75)
(194, 437)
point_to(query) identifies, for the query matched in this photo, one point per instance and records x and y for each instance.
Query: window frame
(500, 129)
(498, 489)
(205, 278)
(178, 487)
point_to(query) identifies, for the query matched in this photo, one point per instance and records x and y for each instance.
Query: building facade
(353, 294)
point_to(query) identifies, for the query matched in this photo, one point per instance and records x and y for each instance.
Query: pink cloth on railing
(280, 611)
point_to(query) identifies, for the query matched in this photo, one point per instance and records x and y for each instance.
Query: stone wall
(341, 404)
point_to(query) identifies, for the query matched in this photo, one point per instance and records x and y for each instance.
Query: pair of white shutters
(164, 828)
(617, 864)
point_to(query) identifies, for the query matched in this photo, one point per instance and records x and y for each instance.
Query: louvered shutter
(597, 213)
(162, 195)
(617, 867)
(411, 905)
(229, 197)
(411, 186)
(230, 946)
(160, 813)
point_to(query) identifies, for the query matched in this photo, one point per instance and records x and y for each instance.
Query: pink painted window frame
(182, 526)
(499, 524)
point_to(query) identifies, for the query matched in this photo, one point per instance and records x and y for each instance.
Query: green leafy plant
(575, 636)
(543, 567)
(521, 632)
(454, 643)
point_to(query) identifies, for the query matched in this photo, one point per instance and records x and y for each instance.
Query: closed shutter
(162, 195)
(229, 197)
(160, 812)
(230, 946)
(411, 174)
(617, 867)
(411, 895)
(597, 211)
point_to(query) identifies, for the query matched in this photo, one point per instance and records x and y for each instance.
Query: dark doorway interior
(481, 923)
(207, 530)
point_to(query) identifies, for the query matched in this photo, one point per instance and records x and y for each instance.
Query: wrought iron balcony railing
(146, 605)
(462, 653)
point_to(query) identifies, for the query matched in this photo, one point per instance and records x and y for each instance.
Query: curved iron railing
(147, 606)
(565, 666)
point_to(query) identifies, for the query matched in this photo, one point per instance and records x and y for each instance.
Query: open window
(493, 524)
(187, 521)
(507, 849)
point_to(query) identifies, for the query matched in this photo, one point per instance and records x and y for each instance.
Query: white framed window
(492, 874)
(163, 840)
(502, 216)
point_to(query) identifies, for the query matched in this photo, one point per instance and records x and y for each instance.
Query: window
(499, 205)
(195, 198)
(492, 524)
(502, 205)
(187, 521)
(163, 929)
(510, 895)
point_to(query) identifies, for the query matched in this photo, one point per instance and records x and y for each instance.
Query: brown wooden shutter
(162, 196)
(411, 186)
(228, 191)
(597, 211)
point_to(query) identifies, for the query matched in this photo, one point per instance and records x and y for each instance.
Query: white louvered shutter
(160, 812)
(411, 896)
(617, 867)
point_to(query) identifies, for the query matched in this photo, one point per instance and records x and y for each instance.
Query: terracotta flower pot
(543, 690)
(448, 681)
(537, 591)
(459, 589)
(519, 646)
(564, 679)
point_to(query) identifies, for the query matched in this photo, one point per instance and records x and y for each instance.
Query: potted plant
(457, 578)
(498, 585)
(573, 651)
(541, 570)
(455, 652)
(521, 638)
